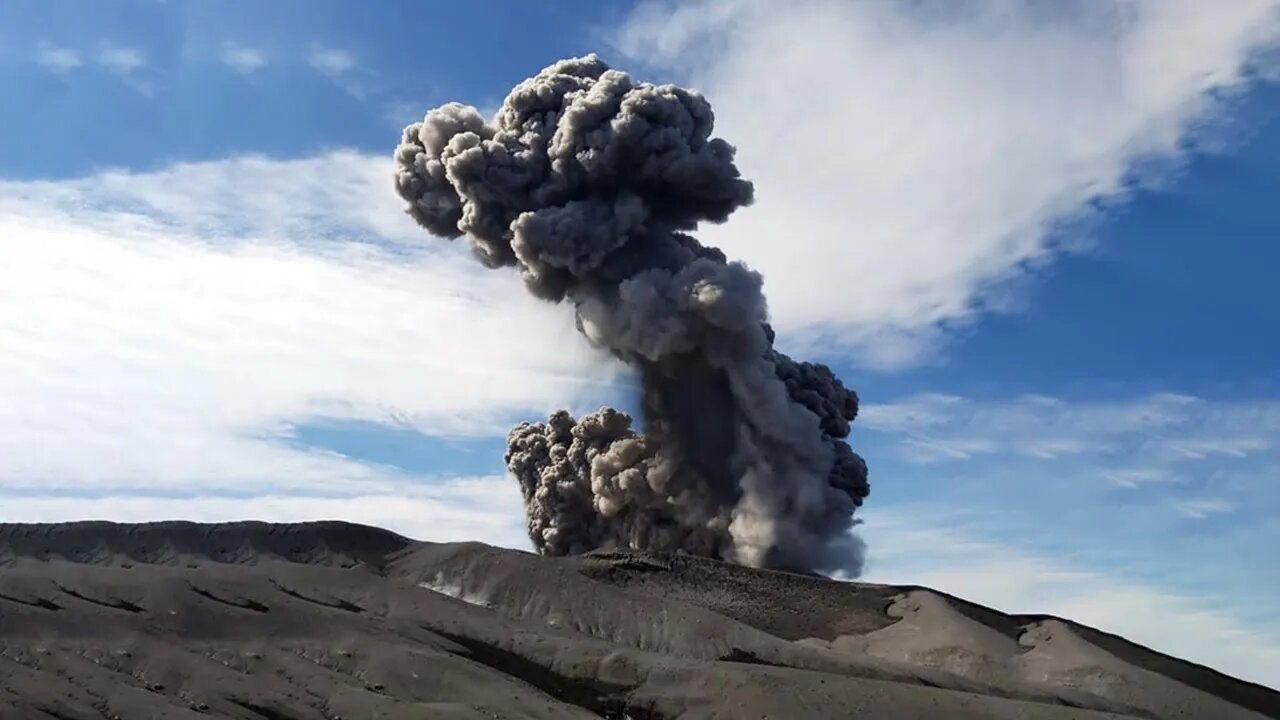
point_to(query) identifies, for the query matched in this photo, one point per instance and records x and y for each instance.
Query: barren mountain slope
(331, 620)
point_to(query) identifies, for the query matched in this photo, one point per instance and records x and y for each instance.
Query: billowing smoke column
(585, 182)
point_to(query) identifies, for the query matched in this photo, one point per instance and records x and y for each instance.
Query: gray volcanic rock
(330, 620)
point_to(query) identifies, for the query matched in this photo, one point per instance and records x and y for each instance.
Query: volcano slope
(331, 620)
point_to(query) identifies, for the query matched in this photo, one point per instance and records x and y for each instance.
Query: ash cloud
(588, 182)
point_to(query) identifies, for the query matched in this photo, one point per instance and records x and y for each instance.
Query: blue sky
(1039, 245)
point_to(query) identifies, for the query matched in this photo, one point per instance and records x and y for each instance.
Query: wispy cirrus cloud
(342, 67)
(244, 60)
(121, 60)
(1206, 447)
(1201, 508)
(332, 61)
(60, 60)
(1145, 441)
(130, 65)
(1139, 476)
(911, 160)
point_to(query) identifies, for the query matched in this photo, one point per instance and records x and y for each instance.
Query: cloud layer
(158, 338)
(1127, 474)
(1158, 439)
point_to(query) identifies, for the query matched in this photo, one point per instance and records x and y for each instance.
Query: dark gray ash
(588, 182)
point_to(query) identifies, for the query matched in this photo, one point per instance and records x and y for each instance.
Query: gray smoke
(584, 182)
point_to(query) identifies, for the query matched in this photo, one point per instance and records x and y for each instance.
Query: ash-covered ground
(330, 620)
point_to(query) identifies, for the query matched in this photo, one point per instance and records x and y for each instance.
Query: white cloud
(1201, 508)
(340, 66)
(925, 449)
(163, 331)
(58, 59)
(130, 65)
(919, 549)
(918, 156)
(1132, 477)
(1161, 430)
(127, 63)
(244, 60)
(1201, 448)
(339, 197)
(121, 60)
(1160, 450)
(453, 510)
(332, 62)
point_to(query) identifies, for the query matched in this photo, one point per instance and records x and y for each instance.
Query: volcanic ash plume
(587, 182)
